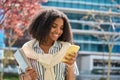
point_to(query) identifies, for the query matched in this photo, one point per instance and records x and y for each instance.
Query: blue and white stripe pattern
(59, 70)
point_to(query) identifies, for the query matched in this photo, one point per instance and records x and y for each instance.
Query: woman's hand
(30, 74)
(69, 59)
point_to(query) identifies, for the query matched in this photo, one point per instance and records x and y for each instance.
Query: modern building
(95, 25)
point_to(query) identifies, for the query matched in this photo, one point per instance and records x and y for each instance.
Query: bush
(102, 78)
(10, 76)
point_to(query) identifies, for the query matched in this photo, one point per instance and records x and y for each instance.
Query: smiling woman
(51, 33)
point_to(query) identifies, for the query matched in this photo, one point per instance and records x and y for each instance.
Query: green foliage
(102, 78)
(96, 71)
(10, 76)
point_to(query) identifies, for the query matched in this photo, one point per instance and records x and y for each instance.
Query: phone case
(21, 59)
(72, 49)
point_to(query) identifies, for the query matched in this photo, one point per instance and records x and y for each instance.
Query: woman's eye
(61, 28)
(53, 26)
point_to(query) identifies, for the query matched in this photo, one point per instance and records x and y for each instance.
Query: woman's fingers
(27, 77)
(30, 73)
(70, 58)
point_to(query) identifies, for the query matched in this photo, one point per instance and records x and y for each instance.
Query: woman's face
(56, 29)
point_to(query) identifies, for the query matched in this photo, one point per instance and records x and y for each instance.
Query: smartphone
(70, 50)
(21, 59)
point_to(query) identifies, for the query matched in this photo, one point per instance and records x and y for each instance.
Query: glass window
(93, 47)
(86, 38)
(101, 48)
(82, 6)
(107, 1)
(88, 0)
(52, 3)
(73, 16)
(88, 6)
(94, 38)
(60, 4)
(68, 5)
(95, 7)
(116, 19)
(116, 49)
(86, 27)
(95, 1)
(106, 48)
(101, 1)
(76, 26)
(75, 5)
(77, 37)
(86, 47)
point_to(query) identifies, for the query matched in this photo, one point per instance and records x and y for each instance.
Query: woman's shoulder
(30, 42)
(63, 43)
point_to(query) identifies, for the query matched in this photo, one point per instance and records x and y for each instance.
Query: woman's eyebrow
(55, 23)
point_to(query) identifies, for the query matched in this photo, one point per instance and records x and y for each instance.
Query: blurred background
(95, 27)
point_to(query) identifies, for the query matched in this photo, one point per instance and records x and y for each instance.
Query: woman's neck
(46, 46)
(47, 43)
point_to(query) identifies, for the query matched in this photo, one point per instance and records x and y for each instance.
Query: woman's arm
(70, 60)
(70, 73)
(21, 77)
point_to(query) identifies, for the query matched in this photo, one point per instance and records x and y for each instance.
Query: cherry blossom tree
(15, 16)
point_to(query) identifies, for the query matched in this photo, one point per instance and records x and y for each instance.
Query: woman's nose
(58, 30)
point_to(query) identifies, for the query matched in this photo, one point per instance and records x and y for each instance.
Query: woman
(49, 29)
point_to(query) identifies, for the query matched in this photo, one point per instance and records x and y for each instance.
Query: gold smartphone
(72, 49)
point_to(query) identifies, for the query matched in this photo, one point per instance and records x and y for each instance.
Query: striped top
(60, 69)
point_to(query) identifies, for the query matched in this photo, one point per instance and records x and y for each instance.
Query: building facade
(96, 29)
